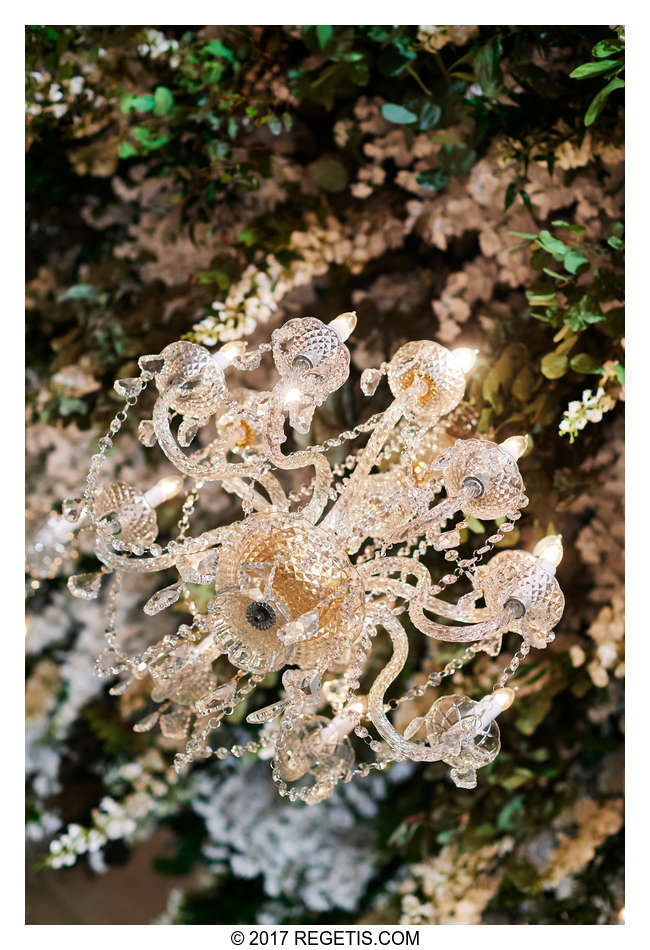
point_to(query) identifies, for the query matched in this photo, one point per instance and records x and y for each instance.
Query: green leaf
(430, 114)
(248, 236)
(163, 100)
(527, 202)
(579, 316)
(553, 245)
(398, 114)
(144, 137)
(520, 775)
(599, 100)
(540, 299)
(77, 292)
(574, 228)
(446, 138)
(475, 525)
(329, 174)
(584, 363)
(433, 179)
(217, 48)
(126, 150)
(456, 159)
(511, 194)
(574, 260)
(137, 103)
(607, 48)
(620, 374)
(615, 242)
(594, 69)
(504, 821)
(554, 365)
(324, 34)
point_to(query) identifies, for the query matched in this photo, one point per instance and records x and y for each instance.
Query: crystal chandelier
(307, 578)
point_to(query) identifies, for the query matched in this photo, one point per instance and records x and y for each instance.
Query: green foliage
(610, 68)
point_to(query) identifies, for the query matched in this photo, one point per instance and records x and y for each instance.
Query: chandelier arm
(186, 464)
(277, 496)
(376, 579)
(433, 520)
(416, 751)
(469, 634)
(322, 481)
(367, 459)
(121, 562)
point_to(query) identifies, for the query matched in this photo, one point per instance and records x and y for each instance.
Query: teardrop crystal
(85, 586)
(152, 363)
(303, 628)
(147, 433)
(370, 379)
(187, 430)
(162, 599)
(146, 724)
(413, 727)
(129, 387)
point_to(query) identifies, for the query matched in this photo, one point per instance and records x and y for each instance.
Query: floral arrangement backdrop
(458, 183)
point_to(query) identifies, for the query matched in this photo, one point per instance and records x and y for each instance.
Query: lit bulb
(344, 324)
(516, 445)
(229, 352)
(492, 706)
(163, 490)
(549, 550)
(505, 697)
(465, 357)
(291, 396)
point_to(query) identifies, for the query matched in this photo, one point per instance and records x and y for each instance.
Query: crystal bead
(153, 363)
(105, 443)
(147, 433)
(162, 599)
(129, 387)
(85, 586)
(115, 426)
(72, 508)
(370, 380)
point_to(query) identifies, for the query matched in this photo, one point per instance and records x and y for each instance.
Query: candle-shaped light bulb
(229, 352)
(465, 357)
(516, 445)
(344, 325)
(163, 490)
(492, 706)
(505, 697)
(549, 550)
